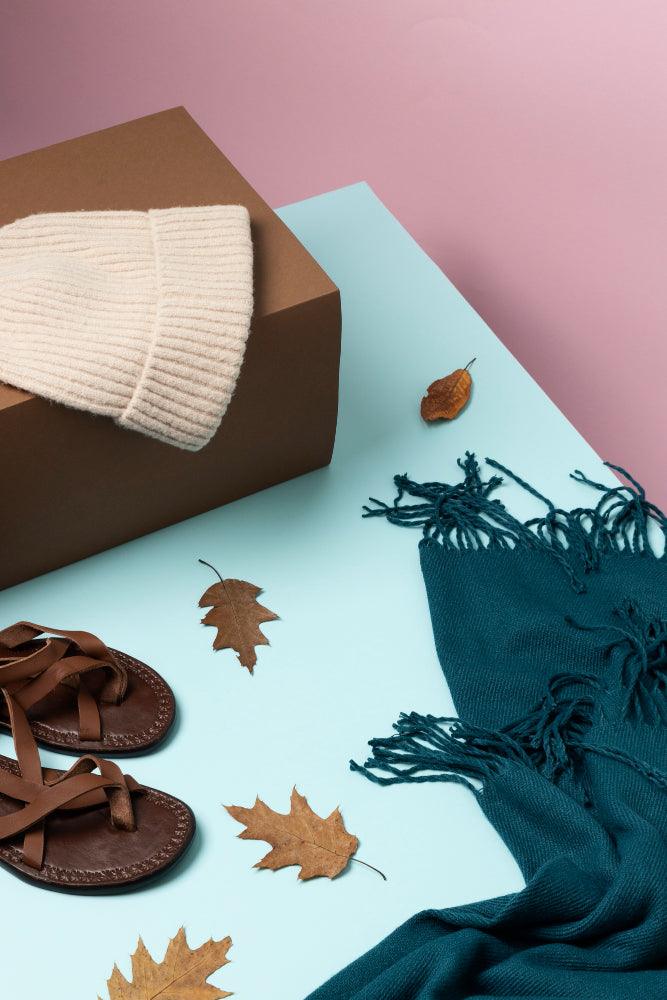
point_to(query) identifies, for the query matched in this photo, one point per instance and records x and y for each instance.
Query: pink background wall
(522, 142)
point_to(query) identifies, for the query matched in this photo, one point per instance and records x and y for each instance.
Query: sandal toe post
(91, 828)
(83, 847)
(80, 695)
(134, 725)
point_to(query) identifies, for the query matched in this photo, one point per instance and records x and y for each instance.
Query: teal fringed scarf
(553, 637)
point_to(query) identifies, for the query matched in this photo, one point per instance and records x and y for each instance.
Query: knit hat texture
(138, 316)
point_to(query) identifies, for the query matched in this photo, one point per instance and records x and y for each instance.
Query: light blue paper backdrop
(353, 649)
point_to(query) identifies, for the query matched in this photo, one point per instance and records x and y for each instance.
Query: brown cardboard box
(74, 484)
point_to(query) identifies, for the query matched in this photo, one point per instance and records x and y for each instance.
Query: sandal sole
(165, 830)
(149, 704)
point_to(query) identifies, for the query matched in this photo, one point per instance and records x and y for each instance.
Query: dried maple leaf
(301, 837)
(237, 616)
(446, 397)
(181, 975)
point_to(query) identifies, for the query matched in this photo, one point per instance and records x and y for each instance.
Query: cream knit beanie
(139, 316)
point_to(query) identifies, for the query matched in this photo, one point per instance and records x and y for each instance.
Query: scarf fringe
(552, 733)
(641, 642)
(464, 516)
(550, 739)
(430, 748)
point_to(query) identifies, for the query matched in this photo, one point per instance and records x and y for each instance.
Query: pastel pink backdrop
(523, 143)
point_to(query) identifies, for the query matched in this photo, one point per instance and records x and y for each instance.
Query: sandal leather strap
(44, 792)
(30, 674)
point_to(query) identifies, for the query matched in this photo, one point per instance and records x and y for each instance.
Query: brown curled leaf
(446, 397)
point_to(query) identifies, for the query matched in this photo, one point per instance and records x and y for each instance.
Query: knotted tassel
(460, 516)
(429, 748)
(642, 644)
(464, 516)
(622, 517)
(551, 740)
(552, 733)
(560, 532)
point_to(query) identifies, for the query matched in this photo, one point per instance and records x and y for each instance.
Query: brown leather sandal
(79, 695)
(79, 831)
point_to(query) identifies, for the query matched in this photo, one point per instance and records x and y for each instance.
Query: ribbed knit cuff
(204, 304)
(77, 306)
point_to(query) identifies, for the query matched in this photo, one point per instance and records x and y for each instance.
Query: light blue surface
(353, 649)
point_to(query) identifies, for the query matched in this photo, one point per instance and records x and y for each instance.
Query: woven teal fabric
(552, 635)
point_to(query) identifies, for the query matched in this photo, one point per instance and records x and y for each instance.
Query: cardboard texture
(75, 484)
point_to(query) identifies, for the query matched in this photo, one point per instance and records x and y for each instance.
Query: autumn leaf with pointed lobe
(322, 847)
(237, 615)
(181, 975)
